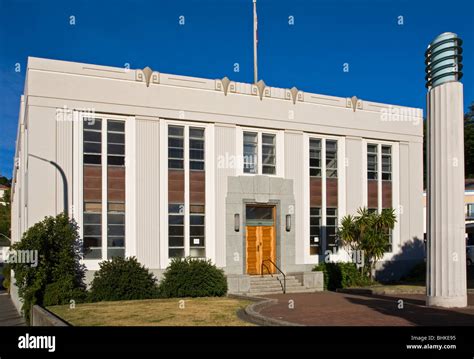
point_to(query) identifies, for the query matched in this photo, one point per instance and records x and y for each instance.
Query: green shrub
(6, 272)
(342, 275)
(122, 279)
(58, 247)
(193, 278)
(416, 274)
(62, 292)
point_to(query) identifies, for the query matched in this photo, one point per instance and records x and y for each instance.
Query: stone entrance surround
(257, 189)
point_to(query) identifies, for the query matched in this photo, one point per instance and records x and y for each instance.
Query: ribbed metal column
(446, 272)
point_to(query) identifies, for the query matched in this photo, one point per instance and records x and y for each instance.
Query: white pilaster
(446, 266)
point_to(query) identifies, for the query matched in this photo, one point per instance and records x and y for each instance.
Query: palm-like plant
(367, 232)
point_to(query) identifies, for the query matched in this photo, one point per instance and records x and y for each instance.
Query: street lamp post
(446, 250)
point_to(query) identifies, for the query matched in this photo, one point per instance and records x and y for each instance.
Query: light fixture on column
(236, 222)
(288, 222)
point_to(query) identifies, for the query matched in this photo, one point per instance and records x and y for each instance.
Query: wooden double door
(260, 239)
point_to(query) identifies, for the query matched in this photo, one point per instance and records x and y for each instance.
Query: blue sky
(386, 60)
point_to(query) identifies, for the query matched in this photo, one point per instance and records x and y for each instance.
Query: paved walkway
(334, 309)
(8, 313)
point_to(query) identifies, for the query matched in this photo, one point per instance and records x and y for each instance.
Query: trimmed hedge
(62, 292)
(342, 275)
(416, 274)
(193, 278)
(122, 279)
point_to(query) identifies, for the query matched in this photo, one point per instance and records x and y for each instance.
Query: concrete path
(342, 309)
(9, 316)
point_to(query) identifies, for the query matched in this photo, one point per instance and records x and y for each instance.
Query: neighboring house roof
(2, 186)
(469, 184)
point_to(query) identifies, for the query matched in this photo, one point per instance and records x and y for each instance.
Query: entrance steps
(274, 285)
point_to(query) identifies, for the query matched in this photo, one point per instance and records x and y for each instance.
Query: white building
(159, 166)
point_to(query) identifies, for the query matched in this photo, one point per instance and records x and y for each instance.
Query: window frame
(209, 210)
(278, 145)
(394, 158)
(341, 183)
(77, 210)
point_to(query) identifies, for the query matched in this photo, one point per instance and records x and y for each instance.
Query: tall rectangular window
(186, 215)
(250, 152)
(379, 180)
(176, 209)
(97, 163)
(197, 193)
(372, 177)
(323, 170)
(268, 154)
(92, 188)
(115, 188)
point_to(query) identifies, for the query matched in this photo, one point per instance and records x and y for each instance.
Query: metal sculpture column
(446, 265)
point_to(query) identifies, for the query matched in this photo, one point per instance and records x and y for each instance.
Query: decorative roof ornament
(225, 84)
(261, 88)
(354, 102)
(294, 94)
(147, 71)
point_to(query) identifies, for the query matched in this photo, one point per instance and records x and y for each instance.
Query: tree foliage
(5, 218)
(58, 276)
(367, 232)
(469, 142)
(468, 145)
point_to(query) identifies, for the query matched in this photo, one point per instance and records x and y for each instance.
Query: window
(323, 172)
(470, 211)
(197, 193)
(259, 153)
(175, 147)
(176, 230)
(250, 152)
(97, 159)
(372, 162)
(315, 231)
(268, 154)
(115, 189)
(186, 228)
(379, 180)
(92, 188)
(315, 158)
(331, 159)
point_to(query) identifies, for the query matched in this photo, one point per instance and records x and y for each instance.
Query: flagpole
(255, 40)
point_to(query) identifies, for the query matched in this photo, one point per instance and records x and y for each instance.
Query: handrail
(284, 276)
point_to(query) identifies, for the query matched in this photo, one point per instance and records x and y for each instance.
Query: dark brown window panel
(331, 192)
(386, 194)
(315, 192)
(372, 194)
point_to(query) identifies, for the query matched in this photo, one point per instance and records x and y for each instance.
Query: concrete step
(288, 280)
(278, 287)
(299, 290)
(267, 285)
(274, 280)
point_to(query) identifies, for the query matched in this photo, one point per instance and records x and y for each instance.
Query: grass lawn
(156, 312)
(412, 288)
